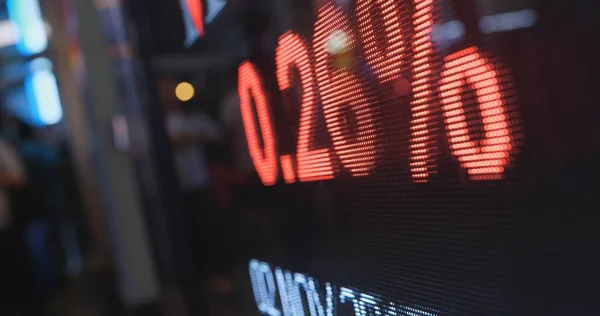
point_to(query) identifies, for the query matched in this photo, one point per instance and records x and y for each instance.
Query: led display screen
(425, 157)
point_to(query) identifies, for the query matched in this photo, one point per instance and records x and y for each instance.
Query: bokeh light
(184, 91)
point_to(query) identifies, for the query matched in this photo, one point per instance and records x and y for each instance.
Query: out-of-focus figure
(242, 168)
(231, 118)
(43, 226)
(42, 199)
(191, 132)
(16, 285)
(12, 175)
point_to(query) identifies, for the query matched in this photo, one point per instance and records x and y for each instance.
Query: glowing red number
(347, 110)
(339, 88)
(386, 61)
(484, 159)
(265, 160)
(292, 52)
(422, 145)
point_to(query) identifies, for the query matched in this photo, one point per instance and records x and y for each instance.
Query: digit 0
(264, 157)
(487, 158)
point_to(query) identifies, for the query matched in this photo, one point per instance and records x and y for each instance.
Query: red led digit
(265, 159)
(339, 88)
(422, 144)
(292, 52)
(489, 155)
(386, 61)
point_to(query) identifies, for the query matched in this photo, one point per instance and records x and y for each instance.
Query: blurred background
(127, 187)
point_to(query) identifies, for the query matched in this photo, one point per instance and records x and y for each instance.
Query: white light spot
(455, 29)
(214, 7)
(449, 31)
(43, 93)
(8, 34)
(337, 42)
(48, 29)
(39, 64)
(508, 21)
(27, 18)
